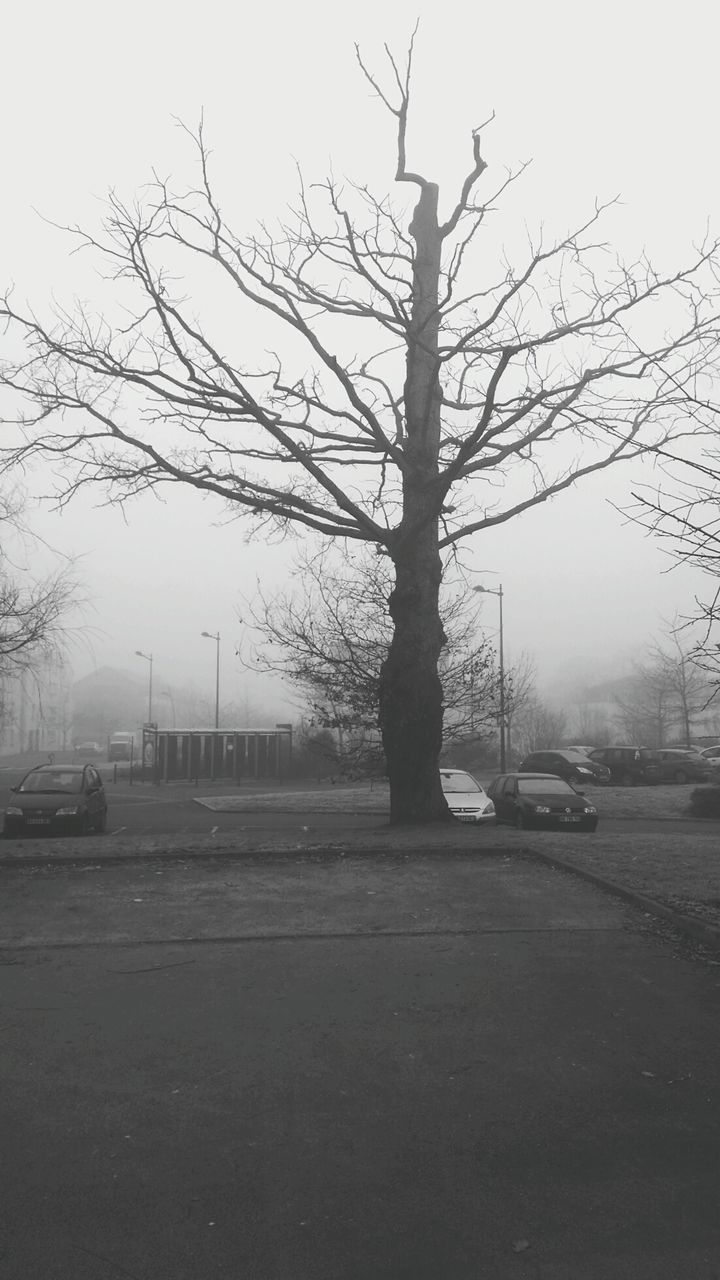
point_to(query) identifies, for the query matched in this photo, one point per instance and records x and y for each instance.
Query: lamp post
(498, 591)
(215, 635)
(149, 659)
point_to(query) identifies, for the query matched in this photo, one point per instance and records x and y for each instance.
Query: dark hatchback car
(629, 766)
(678, 764)
(66, 799)
(568, 763)
(541, 800)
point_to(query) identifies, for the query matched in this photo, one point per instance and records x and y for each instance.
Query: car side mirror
(13, 788)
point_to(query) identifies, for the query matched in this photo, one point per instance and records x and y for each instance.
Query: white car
(467, 800)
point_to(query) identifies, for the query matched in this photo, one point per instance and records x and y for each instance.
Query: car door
(667, 765)
(495, 793)
(558, 765)
(508, 792)
(614, 764)
(94, 792)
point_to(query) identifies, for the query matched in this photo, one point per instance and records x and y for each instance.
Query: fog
(618, 101)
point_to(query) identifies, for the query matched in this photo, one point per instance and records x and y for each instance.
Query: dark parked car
(66, 799)
(629, 766)
(540, 800)
(567, 762)
(679, 764)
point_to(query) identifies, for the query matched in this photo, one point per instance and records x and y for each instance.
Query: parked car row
(70, 798)
(522, 799)
(625, 766)
(545, 789)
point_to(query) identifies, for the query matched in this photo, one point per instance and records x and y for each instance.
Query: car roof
(466, 772)
(527, 776)
(58, 768)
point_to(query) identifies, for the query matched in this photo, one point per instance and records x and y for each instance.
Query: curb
(698, 929)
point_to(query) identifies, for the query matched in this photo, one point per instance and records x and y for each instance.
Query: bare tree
(687, 682)
(667, 695)
(590, 726)
(331, 635)
(520, 693)
(538, 727)
(645, 712)
(682, 510)
(406, 412)
(33, 610)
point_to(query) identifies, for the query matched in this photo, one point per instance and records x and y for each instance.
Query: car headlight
(588, 772)
(541, 808)
(489, 807)
(68, 810)
(589, 808)
(13, 812)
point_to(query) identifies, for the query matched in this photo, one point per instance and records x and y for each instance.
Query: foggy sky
(605, 100)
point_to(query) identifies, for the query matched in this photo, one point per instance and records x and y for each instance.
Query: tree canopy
(413, 394)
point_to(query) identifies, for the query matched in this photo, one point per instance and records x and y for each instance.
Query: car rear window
(541, 786)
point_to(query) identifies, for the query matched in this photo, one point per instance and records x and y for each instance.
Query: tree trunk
(411, 700)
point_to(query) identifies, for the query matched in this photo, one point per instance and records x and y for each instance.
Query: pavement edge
(698, 929)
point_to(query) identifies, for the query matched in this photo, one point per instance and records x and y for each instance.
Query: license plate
(38, 822)
(572, 817)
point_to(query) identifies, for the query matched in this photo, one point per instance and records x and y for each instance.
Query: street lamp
(215, 635)
(149, 659)
(498, 591)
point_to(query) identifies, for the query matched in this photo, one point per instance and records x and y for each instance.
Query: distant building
(36, 708)
(106, 701)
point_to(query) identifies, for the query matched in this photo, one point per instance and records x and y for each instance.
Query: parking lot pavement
(422, 1071)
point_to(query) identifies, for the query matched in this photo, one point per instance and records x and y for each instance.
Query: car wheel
(101, 822)
(520, 820)
(627, 780)
(680, 776)
(86, 825)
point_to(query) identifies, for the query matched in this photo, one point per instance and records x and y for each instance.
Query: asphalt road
(456, 1069)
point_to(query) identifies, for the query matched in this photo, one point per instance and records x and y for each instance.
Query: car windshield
(573, 753)
(544, 786)
(458, 782)
(59, 780)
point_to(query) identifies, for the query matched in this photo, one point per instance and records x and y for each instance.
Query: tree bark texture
(411, 700)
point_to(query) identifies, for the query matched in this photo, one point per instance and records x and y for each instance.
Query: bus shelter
(189, 755)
